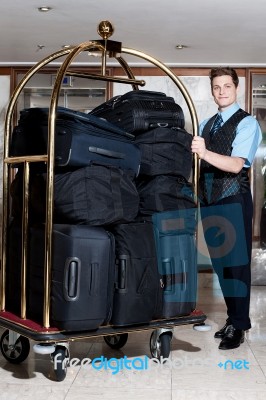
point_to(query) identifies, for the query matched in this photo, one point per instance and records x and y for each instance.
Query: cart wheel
(160, 346)
(116, 341)
(60, 359)
(17, 352)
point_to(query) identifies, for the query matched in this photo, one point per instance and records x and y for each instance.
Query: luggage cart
(19, 330)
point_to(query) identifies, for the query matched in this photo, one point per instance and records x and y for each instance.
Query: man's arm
(224, 163)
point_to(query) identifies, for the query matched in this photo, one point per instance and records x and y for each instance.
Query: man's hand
(198, 146)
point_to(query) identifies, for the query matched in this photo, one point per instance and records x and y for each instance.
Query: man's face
(224, 91)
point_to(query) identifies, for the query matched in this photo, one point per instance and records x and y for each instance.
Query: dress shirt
(248, 135)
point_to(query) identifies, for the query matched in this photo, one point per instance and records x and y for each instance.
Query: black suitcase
(165, 151)
(83, 266)
(80, 139)
(141, 110)
(138, 284)
(164, 193)
(176, 252)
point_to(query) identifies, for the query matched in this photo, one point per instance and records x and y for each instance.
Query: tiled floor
(194, 373)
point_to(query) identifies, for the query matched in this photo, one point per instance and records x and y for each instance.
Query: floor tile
(82, 393)
(219, 378)
(203, 394)
(20, 391)
(34, 372)
(124, 373)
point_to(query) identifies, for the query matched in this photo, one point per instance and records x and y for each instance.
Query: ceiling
(228, 32)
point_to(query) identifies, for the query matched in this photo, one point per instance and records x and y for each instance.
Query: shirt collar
(226, 114)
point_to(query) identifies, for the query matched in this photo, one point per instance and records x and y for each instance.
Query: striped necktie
(217, 124)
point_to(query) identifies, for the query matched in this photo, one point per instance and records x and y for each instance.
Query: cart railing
(106, 48)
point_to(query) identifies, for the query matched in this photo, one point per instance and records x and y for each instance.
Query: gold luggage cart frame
(19, 330)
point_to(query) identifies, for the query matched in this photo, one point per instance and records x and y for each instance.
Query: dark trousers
(227, 227)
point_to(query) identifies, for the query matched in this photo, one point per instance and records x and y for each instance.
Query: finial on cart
(105, 29)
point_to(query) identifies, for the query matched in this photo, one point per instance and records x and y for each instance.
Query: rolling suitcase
(82, 276)
(141, 110)
(138, 285)
(176, 252)
(80, 139)
(165, 151)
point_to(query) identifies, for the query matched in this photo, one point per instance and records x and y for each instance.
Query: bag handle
(107, 153)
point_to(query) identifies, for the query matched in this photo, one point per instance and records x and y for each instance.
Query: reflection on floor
(197, 368)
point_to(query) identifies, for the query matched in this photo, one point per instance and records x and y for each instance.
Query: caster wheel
(116, 341)
(160, 345)
(202, 327)
(60, 360)
(15, 352)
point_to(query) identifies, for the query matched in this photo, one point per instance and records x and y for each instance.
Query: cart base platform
(37, 332)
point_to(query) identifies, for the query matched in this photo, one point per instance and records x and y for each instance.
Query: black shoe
(232, 338)
(221, 333)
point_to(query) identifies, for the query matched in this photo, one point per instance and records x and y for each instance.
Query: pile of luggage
(124, 214)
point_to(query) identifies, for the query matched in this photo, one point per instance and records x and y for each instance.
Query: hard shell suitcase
(138, 284)
(140, 110)
(165, 151)
(176, 252)
(80, 139)
(82, 276)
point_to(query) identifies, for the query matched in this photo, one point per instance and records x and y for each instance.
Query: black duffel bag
(164, 193)
(165, 151)
(95, 195)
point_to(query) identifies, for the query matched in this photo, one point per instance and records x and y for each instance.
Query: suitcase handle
(107, 153)
(121, 284)
(171, 278)
(72, 279)
(159, 125)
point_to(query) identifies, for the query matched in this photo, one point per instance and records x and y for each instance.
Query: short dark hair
(224, 71)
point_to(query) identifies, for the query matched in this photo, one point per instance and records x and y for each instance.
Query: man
(226, 148)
